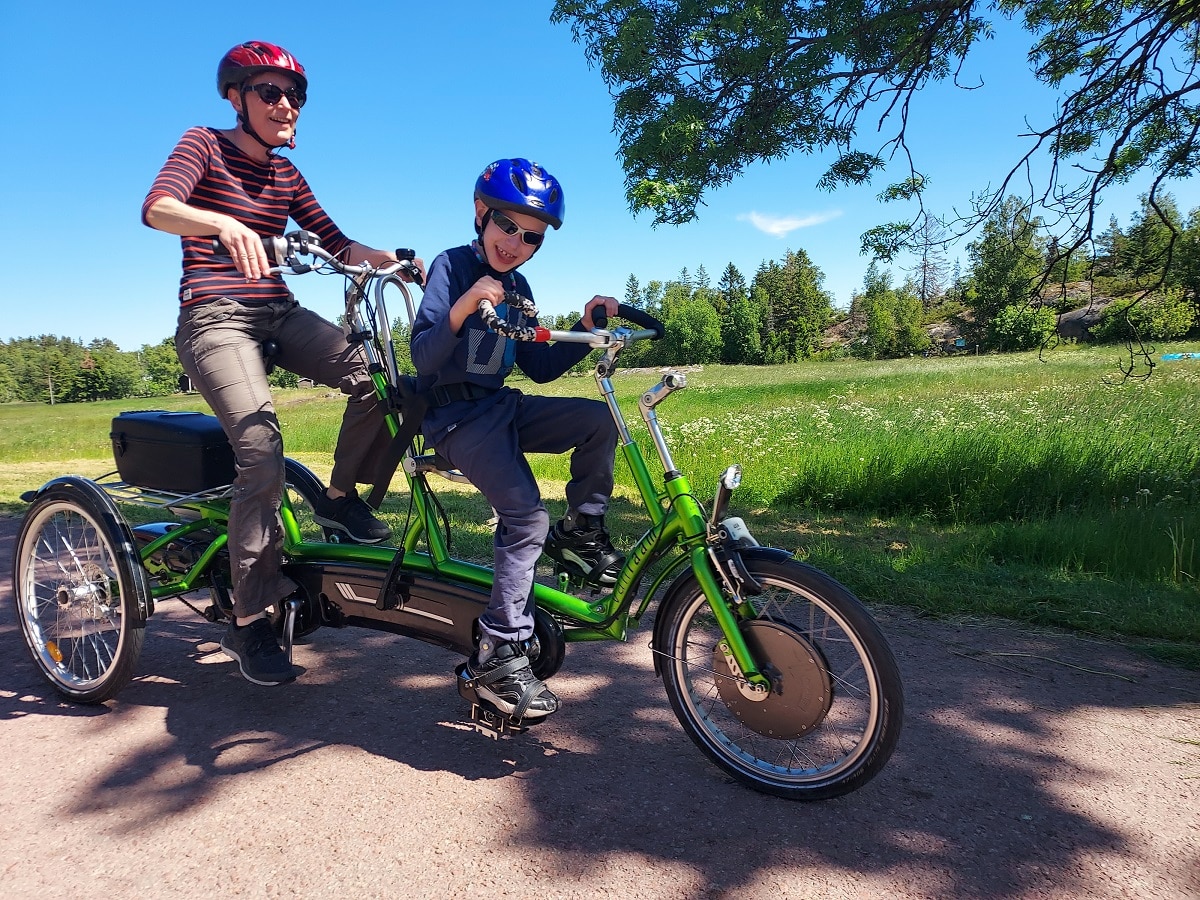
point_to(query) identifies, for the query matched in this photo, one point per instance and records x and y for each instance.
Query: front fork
(713, 546)
(714, 554)
(718, 580)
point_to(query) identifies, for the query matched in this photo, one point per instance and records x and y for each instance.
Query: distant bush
(1021, 326)
(1159, 316)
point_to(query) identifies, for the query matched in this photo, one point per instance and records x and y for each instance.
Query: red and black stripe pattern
(207, 171)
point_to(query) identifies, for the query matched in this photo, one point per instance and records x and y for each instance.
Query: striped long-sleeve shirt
(208, 171)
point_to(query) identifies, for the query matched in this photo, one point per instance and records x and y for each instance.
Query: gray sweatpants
(220, 346)
(488, 445)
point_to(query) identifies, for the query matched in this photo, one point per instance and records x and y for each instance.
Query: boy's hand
(486, 288)
(610, 309)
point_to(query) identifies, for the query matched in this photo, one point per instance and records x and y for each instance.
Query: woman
(232, 184)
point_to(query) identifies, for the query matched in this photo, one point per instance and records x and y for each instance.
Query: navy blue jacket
(476, 355)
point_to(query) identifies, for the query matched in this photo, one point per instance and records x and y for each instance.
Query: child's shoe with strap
(580, 544)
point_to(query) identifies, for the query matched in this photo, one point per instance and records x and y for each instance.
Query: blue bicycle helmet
(521, 186)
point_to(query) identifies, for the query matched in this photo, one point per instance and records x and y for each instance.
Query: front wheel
(81, 592)
(833, 715)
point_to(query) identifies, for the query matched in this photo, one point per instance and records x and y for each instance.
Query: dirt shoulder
(1032, 765)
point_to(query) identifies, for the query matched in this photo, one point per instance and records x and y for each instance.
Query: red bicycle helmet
(248, 59)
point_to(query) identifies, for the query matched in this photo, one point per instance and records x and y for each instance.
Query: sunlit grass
(1038, 489)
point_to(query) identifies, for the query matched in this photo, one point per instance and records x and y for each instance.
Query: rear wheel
(833, 715)
(81, 592)
(304, 489)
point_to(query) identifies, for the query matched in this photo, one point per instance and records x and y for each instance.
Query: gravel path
(1032, 765)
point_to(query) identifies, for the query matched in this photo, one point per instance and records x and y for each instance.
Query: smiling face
(275, 123)
(507, 251)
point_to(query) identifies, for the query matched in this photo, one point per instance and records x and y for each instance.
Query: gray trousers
(490, 449)
(220, 346)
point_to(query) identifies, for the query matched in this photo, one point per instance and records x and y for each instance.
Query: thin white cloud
(781, 226)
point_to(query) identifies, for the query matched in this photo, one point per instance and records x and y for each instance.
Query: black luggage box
(180, 452)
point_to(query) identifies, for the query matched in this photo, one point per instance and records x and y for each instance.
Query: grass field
(1040, 489)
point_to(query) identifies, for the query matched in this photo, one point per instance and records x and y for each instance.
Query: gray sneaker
(501, 675)
(258, 654)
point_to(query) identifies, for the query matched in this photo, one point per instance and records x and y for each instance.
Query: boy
(485, 429)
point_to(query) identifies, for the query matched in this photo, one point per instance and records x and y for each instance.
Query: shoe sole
(498, 705)
(242, 666)
(338, 526)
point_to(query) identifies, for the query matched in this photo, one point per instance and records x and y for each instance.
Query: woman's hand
(246, 248)
(420, 264)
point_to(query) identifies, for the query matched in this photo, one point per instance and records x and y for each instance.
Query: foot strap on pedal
(503, 670)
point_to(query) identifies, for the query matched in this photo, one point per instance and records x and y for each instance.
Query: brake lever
(407, 265)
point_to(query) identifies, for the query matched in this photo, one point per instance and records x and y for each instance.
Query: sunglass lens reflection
(508, 226)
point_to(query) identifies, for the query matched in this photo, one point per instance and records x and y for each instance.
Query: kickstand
(291, 606)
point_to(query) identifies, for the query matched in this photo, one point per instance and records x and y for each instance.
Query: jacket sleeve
(433, 342)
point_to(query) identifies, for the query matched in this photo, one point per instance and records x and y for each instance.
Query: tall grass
(1040, 488)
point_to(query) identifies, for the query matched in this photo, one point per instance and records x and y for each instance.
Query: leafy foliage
(1022, 326)
(1158, 317)
(703, 88)
(1007, 260)
(891, 319)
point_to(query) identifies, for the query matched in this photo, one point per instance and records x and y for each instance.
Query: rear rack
(124, 492)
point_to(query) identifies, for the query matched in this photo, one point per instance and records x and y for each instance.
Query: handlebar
(599, 337)
(286, 251)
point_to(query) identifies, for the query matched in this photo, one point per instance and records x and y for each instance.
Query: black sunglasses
(508, 226)
(270, 94)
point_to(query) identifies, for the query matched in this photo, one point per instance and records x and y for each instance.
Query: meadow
(1041, 488)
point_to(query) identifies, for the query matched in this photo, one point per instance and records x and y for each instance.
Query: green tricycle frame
(773, 668)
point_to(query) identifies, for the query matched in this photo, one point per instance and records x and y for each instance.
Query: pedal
(493, 724)
(488, 720)
(569, 581)
(291, 606)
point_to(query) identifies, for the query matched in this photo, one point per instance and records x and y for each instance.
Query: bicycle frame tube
(682, 522)
(181, 584)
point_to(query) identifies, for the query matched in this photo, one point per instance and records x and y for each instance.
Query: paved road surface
(1031, 766)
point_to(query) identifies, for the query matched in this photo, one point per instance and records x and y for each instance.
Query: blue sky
(407, 103)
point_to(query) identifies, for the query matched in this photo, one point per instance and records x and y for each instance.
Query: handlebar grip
(639, 317)
(221, 250)
(406, 258)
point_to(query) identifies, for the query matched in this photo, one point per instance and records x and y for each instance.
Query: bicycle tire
(303, 485)
(834, 715)
(82, 595)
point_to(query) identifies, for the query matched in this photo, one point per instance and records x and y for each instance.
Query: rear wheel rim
(71, 597)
